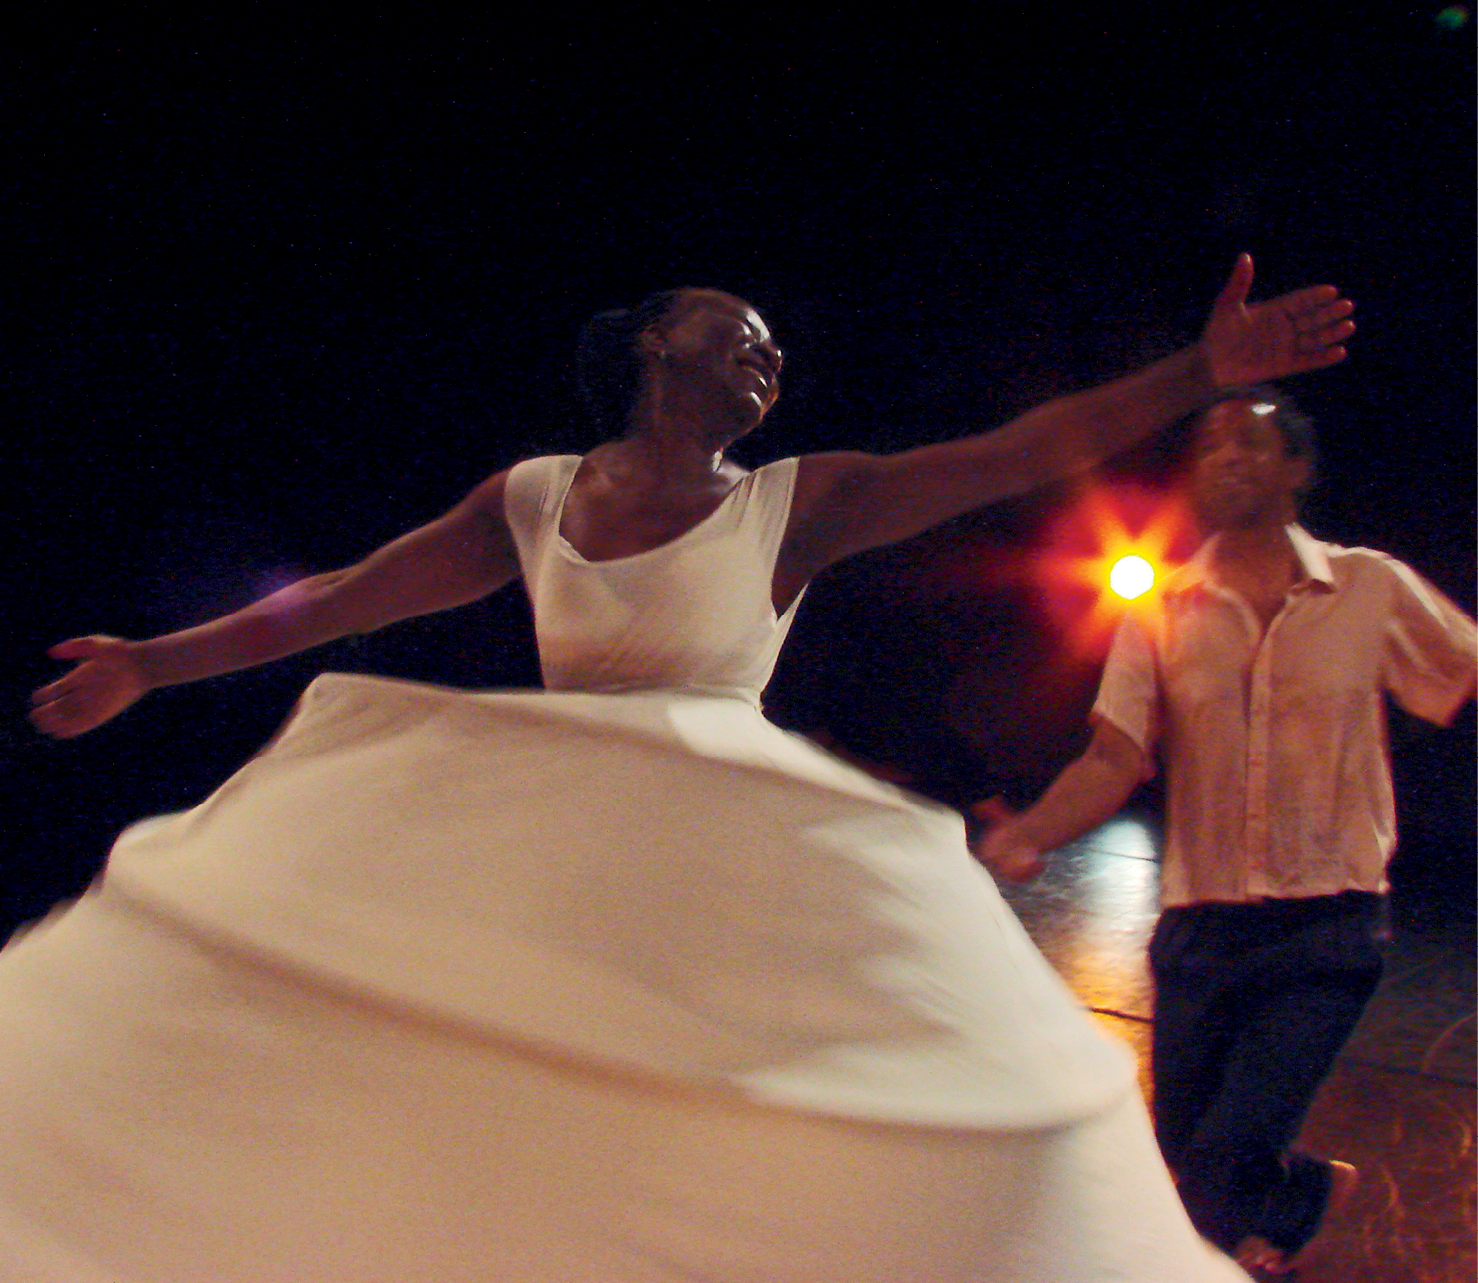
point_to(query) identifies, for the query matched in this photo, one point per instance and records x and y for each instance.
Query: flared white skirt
(318, 1029)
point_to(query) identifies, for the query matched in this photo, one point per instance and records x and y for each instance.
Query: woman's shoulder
(542, 463)
(541, 469)
(778, 471)
(531, 485)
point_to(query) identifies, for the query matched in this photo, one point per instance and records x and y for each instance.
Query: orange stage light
(1110, 554)
(1131, 577)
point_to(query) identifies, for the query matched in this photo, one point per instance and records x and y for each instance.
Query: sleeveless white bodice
(694, 615)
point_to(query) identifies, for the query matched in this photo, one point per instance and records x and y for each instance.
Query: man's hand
(1001, 846)
(106, 680)
(1293, 333)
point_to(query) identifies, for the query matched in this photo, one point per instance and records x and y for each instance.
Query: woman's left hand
(1303, 330)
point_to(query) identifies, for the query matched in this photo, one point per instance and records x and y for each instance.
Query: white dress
(611, 983)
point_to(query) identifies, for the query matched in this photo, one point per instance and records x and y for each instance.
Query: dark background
(275, 291)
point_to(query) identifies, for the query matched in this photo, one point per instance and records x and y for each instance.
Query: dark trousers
(1252, 1004)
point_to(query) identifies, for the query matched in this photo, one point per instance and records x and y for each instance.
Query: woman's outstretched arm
(459, 557)
(846, 503)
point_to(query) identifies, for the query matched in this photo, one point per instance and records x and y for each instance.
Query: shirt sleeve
(1129, 694)
(1430, 647)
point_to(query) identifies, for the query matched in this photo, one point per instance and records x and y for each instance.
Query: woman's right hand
(106, 680)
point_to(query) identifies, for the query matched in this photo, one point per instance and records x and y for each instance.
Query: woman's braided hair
(608, 367)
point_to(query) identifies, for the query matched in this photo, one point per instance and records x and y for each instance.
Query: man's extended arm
(1089, 791)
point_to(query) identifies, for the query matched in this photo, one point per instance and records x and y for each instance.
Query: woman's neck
(666, 459)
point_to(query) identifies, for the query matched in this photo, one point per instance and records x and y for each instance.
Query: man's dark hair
(1295, 427)
(607, 365)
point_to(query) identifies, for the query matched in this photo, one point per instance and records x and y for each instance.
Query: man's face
(1242, 472)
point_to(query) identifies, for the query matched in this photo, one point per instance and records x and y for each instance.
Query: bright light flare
(1110, 554)
(1132, 577)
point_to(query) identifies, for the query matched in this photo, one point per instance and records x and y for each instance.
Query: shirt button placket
(1259, 719)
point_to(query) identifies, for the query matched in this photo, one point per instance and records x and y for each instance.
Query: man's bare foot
(1255, 1253)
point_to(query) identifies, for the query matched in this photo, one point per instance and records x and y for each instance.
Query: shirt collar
(1311, 553)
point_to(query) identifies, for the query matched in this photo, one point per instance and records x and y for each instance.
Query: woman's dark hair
(607, 365)
(1297, 430)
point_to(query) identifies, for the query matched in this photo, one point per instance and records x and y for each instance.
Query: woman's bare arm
(459, 557)
(847, 502)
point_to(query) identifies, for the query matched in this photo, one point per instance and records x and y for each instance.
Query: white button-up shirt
(1279, 780)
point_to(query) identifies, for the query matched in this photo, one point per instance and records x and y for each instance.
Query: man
(1260, 676)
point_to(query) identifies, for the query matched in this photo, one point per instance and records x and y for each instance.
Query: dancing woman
(614, 982)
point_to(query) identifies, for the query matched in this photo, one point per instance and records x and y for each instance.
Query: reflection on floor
(1400, 1103)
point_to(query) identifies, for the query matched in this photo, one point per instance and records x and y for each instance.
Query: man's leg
(1295, 1204)
(1236, 1176)
(1193, 1030)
